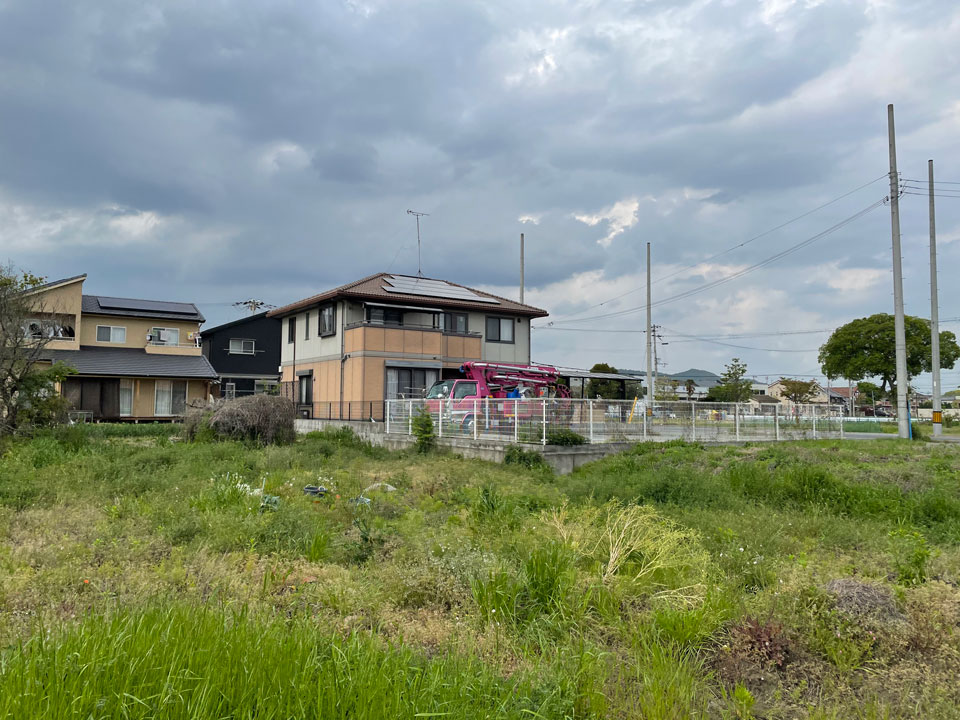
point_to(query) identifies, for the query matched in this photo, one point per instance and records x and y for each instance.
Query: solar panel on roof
(158, 306)
(433, 288)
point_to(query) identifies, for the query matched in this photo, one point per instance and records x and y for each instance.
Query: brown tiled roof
(371, 288)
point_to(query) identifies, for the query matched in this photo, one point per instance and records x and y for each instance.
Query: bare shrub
(264, 419)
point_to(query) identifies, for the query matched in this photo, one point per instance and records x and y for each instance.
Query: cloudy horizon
(213, 153)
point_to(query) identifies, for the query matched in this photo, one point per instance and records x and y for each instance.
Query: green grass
(142, 578)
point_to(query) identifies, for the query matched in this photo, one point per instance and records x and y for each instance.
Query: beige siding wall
(64, 301)
(144, 395)
(312, 347)
(137, 330)
(516, 352)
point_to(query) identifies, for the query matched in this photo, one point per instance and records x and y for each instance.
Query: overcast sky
(214, 151)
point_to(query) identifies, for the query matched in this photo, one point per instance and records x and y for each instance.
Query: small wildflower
(86, 582)
(741, 549)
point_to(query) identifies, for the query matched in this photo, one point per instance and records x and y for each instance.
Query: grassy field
(142, 579)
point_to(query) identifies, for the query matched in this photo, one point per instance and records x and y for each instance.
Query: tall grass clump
(193, 663)
(262, 419)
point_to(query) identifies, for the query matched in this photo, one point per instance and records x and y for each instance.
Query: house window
(126, 398)
(384, 316)
(328, 320)
(453, 322)
(500, 329)
(239, 346)
(164, 336)
(170, 397)
(306, 326)
(111, 334)
(266, 387)
(292, 330)
(230, 390)
(306, 389)
(405, 383)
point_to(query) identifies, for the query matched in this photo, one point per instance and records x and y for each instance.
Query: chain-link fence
(551, 420)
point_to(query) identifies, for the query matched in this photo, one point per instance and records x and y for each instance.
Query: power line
(740, 273)
(730, 249)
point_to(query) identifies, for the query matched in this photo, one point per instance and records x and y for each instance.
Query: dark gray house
(246, 355)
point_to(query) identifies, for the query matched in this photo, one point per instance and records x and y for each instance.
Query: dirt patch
(864, 600)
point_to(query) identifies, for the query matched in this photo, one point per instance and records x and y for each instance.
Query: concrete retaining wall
(562, 459)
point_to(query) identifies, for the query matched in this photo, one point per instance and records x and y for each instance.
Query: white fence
(601, 421)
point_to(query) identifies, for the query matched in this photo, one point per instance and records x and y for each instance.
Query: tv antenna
(418, 215)
(253, 305)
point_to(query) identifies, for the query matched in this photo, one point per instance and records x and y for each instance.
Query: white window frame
(229, 391)
(243, 343)
(120, 330)
(156, 336)
(127, 384)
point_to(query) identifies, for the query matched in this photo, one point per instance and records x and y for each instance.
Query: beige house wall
(64, 301)
(137, 331)
(144, 395)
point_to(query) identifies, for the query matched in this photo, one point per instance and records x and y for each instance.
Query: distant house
(764, 401)
(246, 355)
(839, 395)
(134, 359)
(385, 337)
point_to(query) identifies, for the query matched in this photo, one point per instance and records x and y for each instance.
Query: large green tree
(28, 396)
(606, 389)
(798, 391)
(866, 347)
(733, 387)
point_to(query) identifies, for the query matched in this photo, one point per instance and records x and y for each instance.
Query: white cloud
(619, 217)
(847, 279)
(283, 155)
(532, 219)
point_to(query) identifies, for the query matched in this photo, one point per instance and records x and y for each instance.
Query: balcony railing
(409, 326)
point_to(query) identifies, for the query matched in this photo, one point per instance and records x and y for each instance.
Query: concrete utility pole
(649, 343)
(521, 268)
(656, 364)
(900, 335)
(934, 312)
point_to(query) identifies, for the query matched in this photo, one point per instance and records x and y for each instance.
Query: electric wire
(740, 273)
(728, 250)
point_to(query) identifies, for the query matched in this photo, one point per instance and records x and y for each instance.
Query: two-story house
(346, 350)
(134, 359)
(246, 355)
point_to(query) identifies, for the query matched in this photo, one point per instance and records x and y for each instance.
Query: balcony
(161, 348)
(408, 339)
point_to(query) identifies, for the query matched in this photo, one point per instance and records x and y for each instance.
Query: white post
(736, 419)
(644, 423)
(693, 420)
(815, 422)
(387, 407)
(590, 410)
(440, 419)
(476, 421)
(841, 427)
(516, 421)
(486, 413)
(776, 423)
(544, 440)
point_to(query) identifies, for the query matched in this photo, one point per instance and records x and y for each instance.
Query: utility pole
(900, 335)
(656, 368)
(649, 343)
(418, 215)
(521, 268)
(934, 312)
